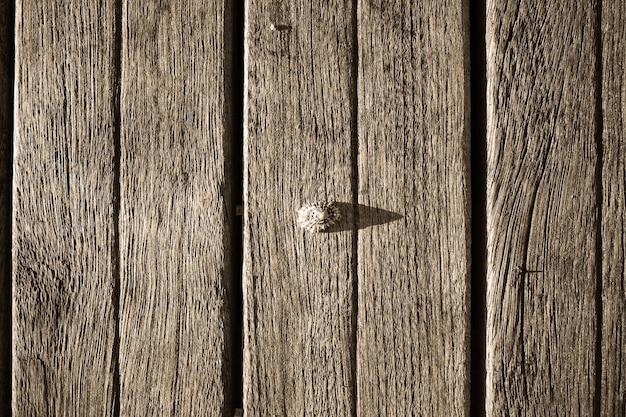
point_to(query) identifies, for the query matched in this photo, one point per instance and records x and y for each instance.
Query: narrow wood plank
(414, 273)
(541, 208)
(6, 160)
(613, 382)
(298, 286)
(175, 214)
(63, 212)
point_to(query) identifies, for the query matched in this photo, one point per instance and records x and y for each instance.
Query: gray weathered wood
(63, 212)
(298, 286)
(613, 382)
(413, 273)
(6, 159)
(541, 208)
(175, 214)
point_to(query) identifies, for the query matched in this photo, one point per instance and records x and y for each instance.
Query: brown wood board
(542, 211)
(299, 288)
(63, 211)
(613, 376)
(414, 208)
(175, 216)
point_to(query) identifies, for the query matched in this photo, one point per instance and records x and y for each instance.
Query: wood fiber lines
(613, 343)
(541, 208)
(122, 157)
(63, 210)
(156, 160)
(298, 286)
(175, 215)
(414, 272)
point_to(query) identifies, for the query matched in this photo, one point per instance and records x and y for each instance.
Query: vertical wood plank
(414, 273)
(541, 208)
(613, 382)
(298, 286)
(63, 212)
(175, 214)
(7, 12)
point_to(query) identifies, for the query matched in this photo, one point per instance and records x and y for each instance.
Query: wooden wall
(475, 152)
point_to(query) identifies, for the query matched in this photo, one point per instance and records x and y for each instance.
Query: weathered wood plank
(414, 273)
(298, 286)
(6, 160)
(63, 212)
(175, 215)
(541, 208)
(613, 382)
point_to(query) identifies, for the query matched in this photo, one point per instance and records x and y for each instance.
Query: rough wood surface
(298, 286)
(613, 381)
(541, 208)
(6, 160)
(414, 272)
(175, 214)
(63, 212)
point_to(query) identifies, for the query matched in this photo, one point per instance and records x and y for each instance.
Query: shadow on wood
(366, 216)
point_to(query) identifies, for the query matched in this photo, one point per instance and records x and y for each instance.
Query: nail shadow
(366, 216)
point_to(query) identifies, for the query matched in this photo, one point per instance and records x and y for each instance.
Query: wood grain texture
(613, 381)
(414, 272)
(175, 214)
(6, 161)
(63, 213)
(298, 286)
(541, 208)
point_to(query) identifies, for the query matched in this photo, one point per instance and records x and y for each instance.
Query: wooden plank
(175, 215)
(613, 374)
(298, 286)
(63, 212)
(541, 208)
(6, 161)
(414, 273)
